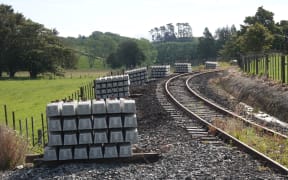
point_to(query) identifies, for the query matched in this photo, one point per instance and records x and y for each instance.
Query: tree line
(169, 33)
(29, 46)
(258, 35)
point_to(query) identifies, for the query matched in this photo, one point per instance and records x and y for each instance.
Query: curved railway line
(201, 112)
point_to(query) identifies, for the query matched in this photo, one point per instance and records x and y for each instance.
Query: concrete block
(130, 120)
(100, 137)
(65, 153)
(50, 154)
(85, 138)
(55, 139)
(125, 150)
(54, 109)
(116, 136)
(110, 151)
(70, 139)
(69, 124)
(98, 107)
(103, 85)
(69, 108)
(84, 108)
(128, 105)
(80, 153)
(95, 152)
(84, 123)
(131, 136)
(115, 122)
(113, 106)
(99, 122)
(115, 84)
(54, 124)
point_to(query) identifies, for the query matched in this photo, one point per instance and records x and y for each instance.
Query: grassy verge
(272, 146)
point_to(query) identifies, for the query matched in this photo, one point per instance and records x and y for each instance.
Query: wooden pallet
(38, 160)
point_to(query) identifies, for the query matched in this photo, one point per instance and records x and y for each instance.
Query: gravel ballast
(184, 159)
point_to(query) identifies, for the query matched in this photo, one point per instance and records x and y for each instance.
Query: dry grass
(13, 148)
(272, 146)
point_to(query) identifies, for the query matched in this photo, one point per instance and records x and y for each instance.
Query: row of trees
(259, 34)
(29, 46)
(168, 33)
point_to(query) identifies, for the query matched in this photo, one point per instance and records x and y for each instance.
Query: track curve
(178, 90)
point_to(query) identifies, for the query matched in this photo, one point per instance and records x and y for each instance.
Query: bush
(13, 148)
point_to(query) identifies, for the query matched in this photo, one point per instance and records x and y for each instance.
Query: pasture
(28, 98)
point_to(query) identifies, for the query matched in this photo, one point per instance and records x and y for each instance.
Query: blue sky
(134, 18)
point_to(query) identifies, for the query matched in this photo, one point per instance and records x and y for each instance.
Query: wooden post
(13, 118)
(257, 66)
(283, 68)
(39, 131)
(5, 113)
(43, 131)
(82, 92)
(32, 125)
(27, 133)
(267, 66)
(20, 127)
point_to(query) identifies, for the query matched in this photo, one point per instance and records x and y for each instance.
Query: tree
(206, 47)
(222, 35)
(257, 39)
(10, 24)
(128, 54)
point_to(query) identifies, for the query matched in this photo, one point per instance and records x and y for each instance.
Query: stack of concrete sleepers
(182, 67)
(211, 65)
(112, 86)
(160, 71)
(91, 129)
(137, 76)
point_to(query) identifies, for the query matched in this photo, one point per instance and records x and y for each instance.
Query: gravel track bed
(185, 159)
(207, 86)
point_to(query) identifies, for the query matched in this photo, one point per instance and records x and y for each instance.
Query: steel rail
(220, 133)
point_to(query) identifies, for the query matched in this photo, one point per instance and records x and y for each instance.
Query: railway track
(195, 114)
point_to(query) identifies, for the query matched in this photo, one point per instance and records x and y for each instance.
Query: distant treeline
(29, 46)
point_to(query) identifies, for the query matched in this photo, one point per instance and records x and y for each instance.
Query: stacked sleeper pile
(160, 71)
(112, 86)
(183, 68)
(211, 65)
(137, 76)
(91, 130)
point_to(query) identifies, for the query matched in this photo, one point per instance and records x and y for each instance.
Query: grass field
(29, 97)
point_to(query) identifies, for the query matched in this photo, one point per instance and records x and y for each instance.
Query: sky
(134, 18)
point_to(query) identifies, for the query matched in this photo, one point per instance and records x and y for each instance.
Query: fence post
(5, 113)
(13, 118)
(43, 131)
(32, 125)
(39, 136)
(257, 66)
(20, 126)
(267, 66)
(27, 133)
(283, 68)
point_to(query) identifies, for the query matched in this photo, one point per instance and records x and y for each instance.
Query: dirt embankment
(258, 92)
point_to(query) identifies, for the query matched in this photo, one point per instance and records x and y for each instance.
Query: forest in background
(29, 46)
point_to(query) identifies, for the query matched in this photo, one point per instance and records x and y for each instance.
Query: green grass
(83, 63)
(29, 98)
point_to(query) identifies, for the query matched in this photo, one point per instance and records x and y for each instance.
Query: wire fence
(37, 135)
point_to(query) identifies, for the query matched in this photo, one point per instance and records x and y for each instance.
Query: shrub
(13, 148)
